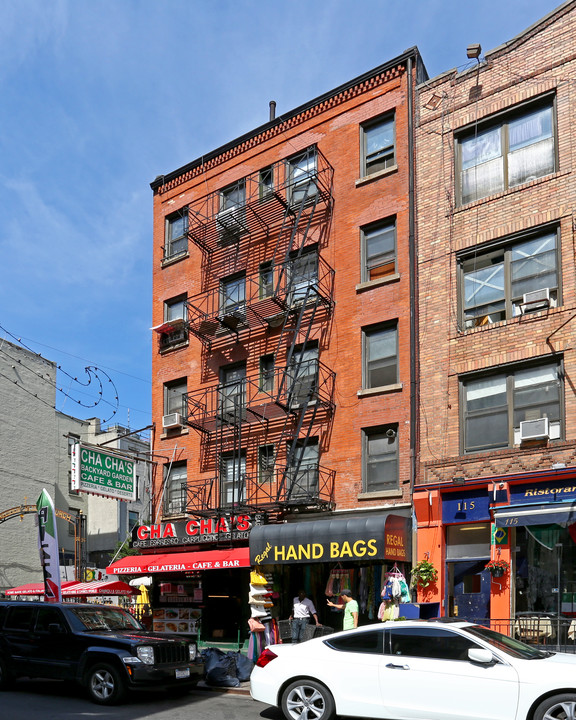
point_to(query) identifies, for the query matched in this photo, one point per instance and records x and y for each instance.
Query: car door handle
(392, 666)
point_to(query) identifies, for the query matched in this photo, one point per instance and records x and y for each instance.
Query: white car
(417, 670)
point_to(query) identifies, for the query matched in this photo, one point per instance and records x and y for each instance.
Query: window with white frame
(510, 151)
(302, 172)
(175, 396)
(232, 479)
(509, 279)
(378, 145)
(233, 297)
(176, 237)
(380, 356)
(494, 404)
(175, 488)
(380, 458)
(379, 250)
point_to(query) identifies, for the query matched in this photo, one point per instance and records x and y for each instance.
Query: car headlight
(146, 654)
(193, 651)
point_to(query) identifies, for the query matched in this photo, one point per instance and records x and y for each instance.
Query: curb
(242, 689)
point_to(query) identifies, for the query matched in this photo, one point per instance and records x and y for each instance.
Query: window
(232, 479)
(231, 218)
(378, 146)
(174, 331)
(302, 469)
(506, 153)
(20, 618)
(266, 183)
(176, 241)
(266, 280)
(266, 463)
(175, 492)
(494, 405)
(49, 616)
(233, 298)
(371, 642)
(302, 376)
(175, 309)
(302, 171)
(232, 391)
(71, 525)
(380, 357)
(379, 250)
(494, 281)
(380, 458)
(133, 519)
(266, 383)
(302, 277)
(432, 642)
(175, 397)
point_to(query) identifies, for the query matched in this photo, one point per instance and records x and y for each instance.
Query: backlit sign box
(101, 472)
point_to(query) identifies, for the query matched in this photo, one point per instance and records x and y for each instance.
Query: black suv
(102, 647)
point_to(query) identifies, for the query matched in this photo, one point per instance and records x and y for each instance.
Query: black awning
(386, 536)
(560, 513)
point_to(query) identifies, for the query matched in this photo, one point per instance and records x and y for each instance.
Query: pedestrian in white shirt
(303, 610)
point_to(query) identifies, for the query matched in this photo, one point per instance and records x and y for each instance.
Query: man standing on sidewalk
(350, 607)
(302, 611)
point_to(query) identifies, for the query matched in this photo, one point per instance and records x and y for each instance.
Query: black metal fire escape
(296, 309)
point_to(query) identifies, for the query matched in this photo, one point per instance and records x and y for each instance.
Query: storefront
(200, 575)
(324, 556)
(526, 522)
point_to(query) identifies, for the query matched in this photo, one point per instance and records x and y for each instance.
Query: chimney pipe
(272, 109)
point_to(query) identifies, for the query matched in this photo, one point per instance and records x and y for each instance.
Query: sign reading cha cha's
(192, 532)
(102, 473)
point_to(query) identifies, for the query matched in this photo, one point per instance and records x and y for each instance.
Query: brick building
(284, 309)
(495, 189)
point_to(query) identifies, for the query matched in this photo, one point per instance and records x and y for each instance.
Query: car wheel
(105, 685)
(557, 707)
(308, 700)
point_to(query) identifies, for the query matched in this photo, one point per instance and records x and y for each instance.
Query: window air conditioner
(173, 420)
(536, 299)
(535, 429)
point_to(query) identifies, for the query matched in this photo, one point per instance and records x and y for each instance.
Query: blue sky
(98, 97)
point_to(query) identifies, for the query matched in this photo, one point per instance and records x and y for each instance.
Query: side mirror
(479, 655)
(55, 629)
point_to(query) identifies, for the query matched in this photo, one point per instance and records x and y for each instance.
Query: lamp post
(559, 598)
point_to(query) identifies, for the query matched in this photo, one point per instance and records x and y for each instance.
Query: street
(52, 700)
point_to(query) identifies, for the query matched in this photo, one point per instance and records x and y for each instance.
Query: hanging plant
(497, 567)
(423, 574)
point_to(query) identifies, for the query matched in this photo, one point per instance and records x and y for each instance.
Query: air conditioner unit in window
(535, 429)
(536, 299)
(173, 420)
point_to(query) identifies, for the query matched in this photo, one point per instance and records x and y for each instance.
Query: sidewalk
(242, 689)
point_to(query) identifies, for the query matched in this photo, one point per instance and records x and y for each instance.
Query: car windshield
(510, 645)
(106, 618)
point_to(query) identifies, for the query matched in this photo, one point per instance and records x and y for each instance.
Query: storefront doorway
(469, 590)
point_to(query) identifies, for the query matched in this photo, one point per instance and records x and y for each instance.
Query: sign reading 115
(465, 505)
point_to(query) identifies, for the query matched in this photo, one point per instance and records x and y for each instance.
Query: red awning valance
(103, 587)
(181, 562)
(36, 588)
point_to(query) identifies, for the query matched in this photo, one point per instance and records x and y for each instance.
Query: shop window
(176, 234)
(379, 250)
(511, 150)
(378, 145)
(266, 463)
(266, 383)
(231, 219)
(380, 356)
(175, 397)
(513, 278)
(266, 183)
(494, 404)
(301, 174)
(467, 541)
(175, 478)
(380, 458)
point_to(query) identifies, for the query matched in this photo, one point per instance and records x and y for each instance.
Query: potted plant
(498, 567)
(423, 574)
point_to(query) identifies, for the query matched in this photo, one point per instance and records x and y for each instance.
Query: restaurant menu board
(177, 620)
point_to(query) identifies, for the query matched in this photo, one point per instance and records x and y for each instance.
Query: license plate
(183, 673)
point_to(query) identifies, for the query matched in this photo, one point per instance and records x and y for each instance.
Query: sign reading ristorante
(192, 532)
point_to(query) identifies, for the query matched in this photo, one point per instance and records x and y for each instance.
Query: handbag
(255, 625)
(256, 578)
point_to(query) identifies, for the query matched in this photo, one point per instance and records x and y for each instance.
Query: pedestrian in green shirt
(350, 610)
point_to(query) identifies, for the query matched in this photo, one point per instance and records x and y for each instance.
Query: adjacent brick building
(496, 195)
(284, 308)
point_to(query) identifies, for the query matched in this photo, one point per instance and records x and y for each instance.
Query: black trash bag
(218, 668)
(244, 667)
